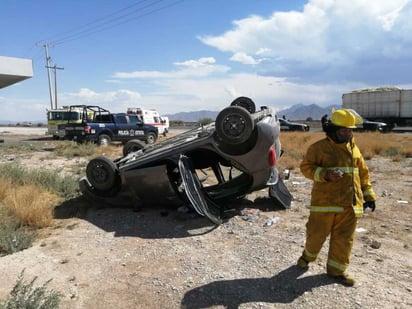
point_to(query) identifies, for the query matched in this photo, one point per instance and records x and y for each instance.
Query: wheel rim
(104, 141)
(233, 125)
(151, 139)
(100, 173)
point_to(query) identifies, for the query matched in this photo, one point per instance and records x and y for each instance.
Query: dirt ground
(117, 257)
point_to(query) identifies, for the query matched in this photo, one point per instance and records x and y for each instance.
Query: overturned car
(202, 168)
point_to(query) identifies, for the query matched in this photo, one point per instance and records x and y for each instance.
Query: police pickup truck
(102, 127)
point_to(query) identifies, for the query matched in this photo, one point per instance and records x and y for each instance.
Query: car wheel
(151, 138)
(234, 125)
(132, 146)
(102, 173)
(246, 103)
(104, 140)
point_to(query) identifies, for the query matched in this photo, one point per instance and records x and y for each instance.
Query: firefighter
(341, 192)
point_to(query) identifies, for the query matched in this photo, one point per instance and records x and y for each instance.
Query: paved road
(4, 131)
(15, 134)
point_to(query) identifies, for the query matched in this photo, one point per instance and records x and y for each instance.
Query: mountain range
(295, 112)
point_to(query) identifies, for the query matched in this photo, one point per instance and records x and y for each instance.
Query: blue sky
(188, 55)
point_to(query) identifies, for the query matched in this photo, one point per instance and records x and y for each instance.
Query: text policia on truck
(152, 117)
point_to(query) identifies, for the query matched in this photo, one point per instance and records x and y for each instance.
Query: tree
(205, 121)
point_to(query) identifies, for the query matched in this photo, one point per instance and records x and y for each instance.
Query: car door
(121, 130)
(195, 193)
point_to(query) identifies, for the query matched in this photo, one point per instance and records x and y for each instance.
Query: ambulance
(152, 117)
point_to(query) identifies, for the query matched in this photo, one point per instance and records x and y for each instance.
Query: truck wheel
(102, 173)
(246, 103)
(132, 146)
(151, 138)
(104, 140)
(234, 125)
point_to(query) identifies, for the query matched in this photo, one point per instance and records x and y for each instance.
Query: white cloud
(186, 94)
(116, 101)
(23, 109)
(243, 58)
(329, 39)
(308, 56)
(188, 69)
(201, 62)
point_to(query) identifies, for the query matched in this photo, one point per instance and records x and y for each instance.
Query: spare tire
(132, 146)
(103, 174)
(234, 125)
(246, 103)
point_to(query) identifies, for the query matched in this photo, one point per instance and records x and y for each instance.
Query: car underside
(200, 168)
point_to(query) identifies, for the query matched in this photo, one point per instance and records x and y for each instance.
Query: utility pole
(46, 48)
(55, 68)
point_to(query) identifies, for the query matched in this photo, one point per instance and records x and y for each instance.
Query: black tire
(102, 174)
(246, 103)
(104, 140)
(151, 138)
(234, 125)
(132, 146)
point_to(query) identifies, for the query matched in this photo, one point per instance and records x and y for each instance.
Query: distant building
(14, 70)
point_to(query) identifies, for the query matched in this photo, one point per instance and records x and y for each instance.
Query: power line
(96, 21)
(110, 21)
(98, 25)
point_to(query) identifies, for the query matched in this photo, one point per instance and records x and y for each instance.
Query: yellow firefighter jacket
(351, 190)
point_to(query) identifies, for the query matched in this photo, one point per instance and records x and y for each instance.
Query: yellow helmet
(343, 118)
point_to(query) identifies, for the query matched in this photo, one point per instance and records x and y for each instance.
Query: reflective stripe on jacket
(351, 190)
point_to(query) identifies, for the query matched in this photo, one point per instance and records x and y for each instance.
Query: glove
(370, 204)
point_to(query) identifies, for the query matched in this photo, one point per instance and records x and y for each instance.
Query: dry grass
(395, 146)
(32, 205)
(25, 196)
(29, 205)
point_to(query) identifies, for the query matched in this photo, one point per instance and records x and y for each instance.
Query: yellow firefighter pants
(341, 228)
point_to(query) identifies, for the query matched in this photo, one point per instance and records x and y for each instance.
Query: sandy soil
(105, 257)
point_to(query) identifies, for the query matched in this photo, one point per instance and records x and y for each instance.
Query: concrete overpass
(14, 70)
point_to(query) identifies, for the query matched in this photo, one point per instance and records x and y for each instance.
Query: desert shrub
(14, 239)
(22, 208)
(26, 295)
(392, 152)
(205, 121)
(73, 149)
(30, 206)
(30, 196)
(64, 186)
(21, 147)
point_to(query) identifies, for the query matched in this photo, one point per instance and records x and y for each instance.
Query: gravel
(166, 258)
